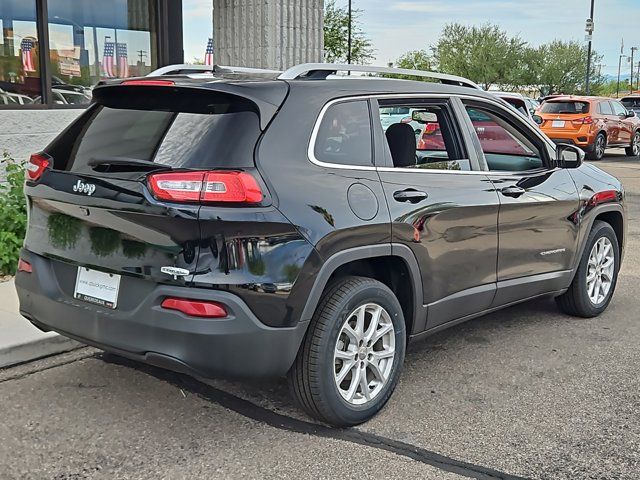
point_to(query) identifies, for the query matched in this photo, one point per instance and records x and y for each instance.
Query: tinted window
(567, 107)
(605, 108)
(178, 139)
(631, 102)
(422, 138)
(344, 136)
(505, 147)
(618, 109)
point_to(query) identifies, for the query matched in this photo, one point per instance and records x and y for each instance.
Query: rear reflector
(195, 308)
(36, 166)
(215, 186)
(150, 83)
(24, 266)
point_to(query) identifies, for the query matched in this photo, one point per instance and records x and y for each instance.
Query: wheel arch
(394, 265)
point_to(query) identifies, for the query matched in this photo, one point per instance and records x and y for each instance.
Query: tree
(485, 54)
(336, 33)
(561, 68)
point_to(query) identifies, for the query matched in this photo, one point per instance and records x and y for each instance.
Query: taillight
(605, 196)
(195, 308)
(150, 83)
(215, 186)
(431, 128)
(583, 121)
(36, 166)
(24, 266)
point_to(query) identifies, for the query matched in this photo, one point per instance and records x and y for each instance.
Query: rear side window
(605, 108)
(566, 107)
(224, 137)
(344, 136)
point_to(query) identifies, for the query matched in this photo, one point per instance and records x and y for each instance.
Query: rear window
(566, 107)
(631, 102)
(220, 134)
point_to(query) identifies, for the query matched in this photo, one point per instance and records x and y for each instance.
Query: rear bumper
(236, 346)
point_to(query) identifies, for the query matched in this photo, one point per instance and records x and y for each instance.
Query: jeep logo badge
(86, 188)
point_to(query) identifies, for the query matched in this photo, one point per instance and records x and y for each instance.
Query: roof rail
(320, 71)
(184, 68)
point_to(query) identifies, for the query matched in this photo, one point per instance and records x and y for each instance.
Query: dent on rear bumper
(236, 346)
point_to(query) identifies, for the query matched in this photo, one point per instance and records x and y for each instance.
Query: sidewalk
(19, 340)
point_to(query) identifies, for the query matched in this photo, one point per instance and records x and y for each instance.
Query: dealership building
(52, 52)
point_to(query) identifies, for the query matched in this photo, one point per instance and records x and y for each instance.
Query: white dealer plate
(557, 124)
(97, 287)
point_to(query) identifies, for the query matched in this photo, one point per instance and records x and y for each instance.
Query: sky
(397, 26)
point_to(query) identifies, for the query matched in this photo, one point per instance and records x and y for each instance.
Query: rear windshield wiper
(124, 163)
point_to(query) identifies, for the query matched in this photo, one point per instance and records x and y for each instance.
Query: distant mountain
(623, 76)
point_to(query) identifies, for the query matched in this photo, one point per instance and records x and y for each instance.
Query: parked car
(257, 228)
(592, 123)
(632, 103)
(20, 99)
(524, 105)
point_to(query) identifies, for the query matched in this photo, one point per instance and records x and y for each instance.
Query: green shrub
(13, 213)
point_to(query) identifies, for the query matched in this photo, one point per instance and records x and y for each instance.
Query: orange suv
(592, 123)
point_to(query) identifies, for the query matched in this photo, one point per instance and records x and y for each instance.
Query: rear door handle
(513, 191)
(410, 195)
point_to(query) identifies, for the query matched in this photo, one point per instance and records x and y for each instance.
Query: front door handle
(410, 195)
(513, 191)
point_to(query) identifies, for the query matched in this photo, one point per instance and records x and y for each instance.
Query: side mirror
(569, 156)
(538, 119)
(630, 114)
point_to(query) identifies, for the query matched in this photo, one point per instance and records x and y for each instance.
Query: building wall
(27, 131)
(273, 34)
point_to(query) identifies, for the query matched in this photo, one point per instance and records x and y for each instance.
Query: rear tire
(326, 378)
(595, 281)
(596, 152)
(634, 149)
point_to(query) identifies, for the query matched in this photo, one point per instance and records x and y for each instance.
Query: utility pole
(638, 75)
(141, 55)
(619, 69)
(633, 51)
(589, 29)
(349, 41)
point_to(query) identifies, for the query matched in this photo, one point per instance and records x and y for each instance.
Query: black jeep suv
(235, 225)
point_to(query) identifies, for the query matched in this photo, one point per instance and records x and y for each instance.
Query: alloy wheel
(600, 271)
(635, 147)
(364, 354)
(600, 145)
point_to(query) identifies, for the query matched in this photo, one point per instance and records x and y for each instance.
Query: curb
(46, 345)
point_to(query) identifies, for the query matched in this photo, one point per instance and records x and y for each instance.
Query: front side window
(505, 147)
(618, 109)
(95, 40)
(421, 136)
(20, 51)
(344, 136)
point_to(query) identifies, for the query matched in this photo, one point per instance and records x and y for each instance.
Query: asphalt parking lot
(523, 393)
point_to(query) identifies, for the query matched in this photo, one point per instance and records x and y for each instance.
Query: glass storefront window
(20, 82)
(94, 40)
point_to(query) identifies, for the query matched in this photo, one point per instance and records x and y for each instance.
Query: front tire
(351, 358)
(634, 149)
(595, 281)
(596, 152)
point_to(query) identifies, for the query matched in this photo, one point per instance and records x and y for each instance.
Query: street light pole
(349, 34)
(589, 29)
(618, 84)
(633, 51)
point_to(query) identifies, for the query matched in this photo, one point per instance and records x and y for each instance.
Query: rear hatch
(102, 196)
(564, 116)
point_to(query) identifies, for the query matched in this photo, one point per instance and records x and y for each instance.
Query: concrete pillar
(273, 34)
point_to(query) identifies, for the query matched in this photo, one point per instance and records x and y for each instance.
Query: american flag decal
(208, 56)
(27, 55)
(108, 67)
(123, 60)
